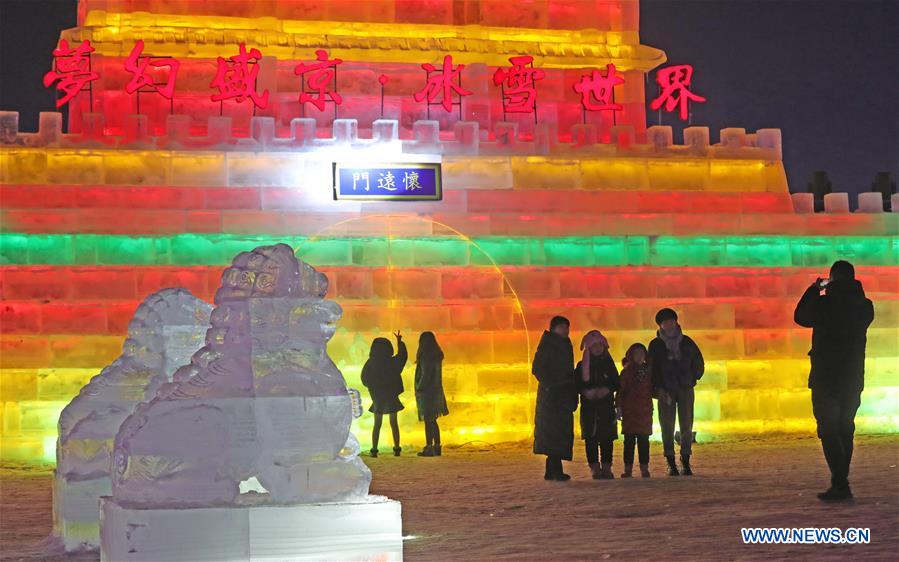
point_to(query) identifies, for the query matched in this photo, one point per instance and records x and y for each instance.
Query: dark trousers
(596, 449)
(553, 465)
(642, 442)
(835, 413)
(432, 432)
(682, 407)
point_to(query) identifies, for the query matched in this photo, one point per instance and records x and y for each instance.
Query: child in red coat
(635, 408)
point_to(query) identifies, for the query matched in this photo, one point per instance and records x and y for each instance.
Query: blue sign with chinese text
(391, 182)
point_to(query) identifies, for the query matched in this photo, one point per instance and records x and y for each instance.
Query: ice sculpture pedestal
(367, 529)
(77, 522)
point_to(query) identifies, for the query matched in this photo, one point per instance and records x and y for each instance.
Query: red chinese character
(323, 73)
(674, 82)
(73, 70)
(237, 79)
(442, 82)
(519, 91)
(137, 66)
(599, 87)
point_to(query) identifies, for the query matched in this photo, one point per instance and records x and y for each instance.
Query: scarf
(590, 338)
(641, 371)
(672, 339)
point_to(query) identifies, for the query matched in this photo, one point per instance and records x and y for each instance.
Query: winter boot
(607, 472)
(428, 451)
(550, 472)
(438, 450)
(397, 451)
(554, 471)
(672, 466)
(374, 453)
(644, 471)
(595, 470)
(628, 470)
(685, 463)
(836, 494)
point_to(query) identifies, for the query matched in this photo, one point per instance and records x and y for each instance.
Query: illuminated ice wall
(602, 221)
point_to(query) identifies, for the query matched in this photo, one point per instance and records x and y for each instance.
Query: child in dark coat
(635, 408)
(556, 398)
(429, 396)
(382, 376)
(596, 377)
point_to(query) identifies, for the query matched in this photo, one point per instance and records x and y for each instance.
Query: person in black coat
(429, 396)
(556, 398)
(382, 376)
(839, 314)
(676, 365)
(596, 378)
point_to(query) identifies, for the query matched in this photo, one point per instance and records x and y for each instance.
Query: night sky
(826, 72)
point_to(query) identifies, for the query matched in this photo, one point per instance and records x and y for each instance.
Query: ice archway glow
(385, 283)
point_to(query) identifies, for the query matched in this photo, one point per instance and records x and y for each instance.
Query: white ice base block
(370, 529)
(77, 511)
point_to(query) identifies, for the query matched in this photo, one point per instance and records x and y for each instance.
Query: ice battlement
(383, 135)
(838, 203)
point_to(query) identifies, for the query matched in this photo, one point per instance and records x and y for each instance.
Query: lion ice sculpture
(167, 328)
(261, 399)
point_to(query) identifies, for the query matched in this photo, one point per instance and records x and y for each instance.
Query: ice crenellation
(166, 329)
(464, 138)
(261, 399)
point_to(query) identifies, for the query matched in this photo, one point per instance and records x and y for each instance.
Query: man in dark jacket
(556, 398)
(839, 315)
(676, 364)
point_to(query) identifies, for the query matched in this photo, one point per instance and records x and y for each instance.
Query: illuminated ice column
(167, 328)
(262, 399)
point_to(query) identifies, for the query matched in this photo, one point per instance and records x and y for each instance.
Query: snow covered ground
(480, 502)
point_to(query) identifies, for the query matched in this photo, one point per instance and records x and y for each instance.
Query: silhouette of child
(429, 395)
(382, 376)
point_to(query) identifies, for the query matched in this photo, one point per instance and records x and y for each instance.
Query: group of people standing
(837, 311)
(382, 375)
(667, 370)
